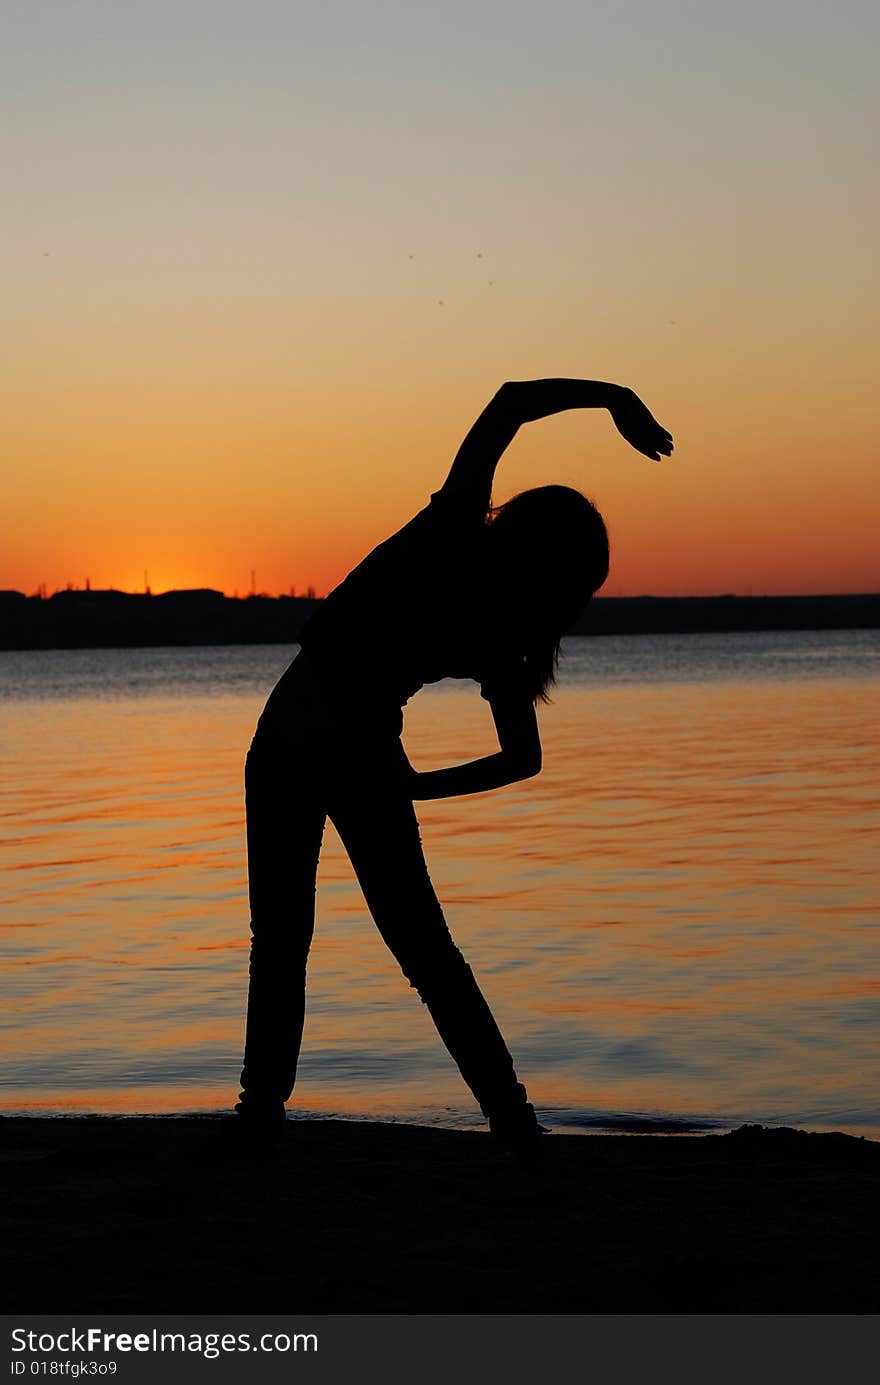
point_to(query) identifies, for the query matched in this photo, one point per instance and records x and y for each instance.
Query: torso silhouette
(412, 612)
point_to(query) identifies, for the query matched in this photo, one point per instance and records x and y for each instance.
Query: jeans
(304, 766)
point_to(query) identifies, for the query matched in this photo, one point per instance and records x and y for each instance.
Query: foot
(234, 1137)
(259, 1124)
(516, 1129)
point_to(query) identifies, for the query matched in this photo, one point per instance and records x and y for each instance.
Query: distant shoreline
(124, 620)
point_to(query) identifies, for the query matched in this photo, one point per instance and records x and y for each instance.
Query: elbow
(506, 395)
(527, 766)
(515, 402)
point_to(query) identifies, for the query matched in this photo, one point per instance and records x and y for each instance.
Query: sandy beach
(123, 1214)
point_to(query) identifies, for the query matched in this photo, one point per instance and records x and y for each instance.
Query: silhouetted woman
(462, 591)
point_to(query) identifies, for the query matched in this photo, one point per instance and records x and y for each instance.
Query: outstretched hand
(635, 422)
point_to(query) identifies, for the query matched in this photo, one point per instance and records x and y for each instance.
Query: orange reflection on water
(676, 915)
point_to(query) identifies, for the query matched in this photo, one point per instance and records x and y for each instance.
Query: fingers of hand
(646, 435)
(662, 441)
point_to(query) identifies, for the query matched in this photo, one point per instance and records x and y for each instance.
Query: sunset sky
(264, 263)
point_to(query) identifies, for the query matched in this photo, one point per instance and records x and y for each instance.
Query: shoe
(259, 1124)
(238, 1136)
(517, 1130)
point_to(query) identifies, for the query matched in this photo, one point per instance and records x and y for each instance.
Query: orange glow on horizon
(280, 493)
(239, 349)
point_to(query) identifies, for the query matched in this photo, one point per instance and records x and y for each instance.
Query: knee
(432, 971)
(278, 952)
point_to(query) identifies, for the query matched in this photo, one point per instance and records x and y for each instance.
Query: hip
(308, 717)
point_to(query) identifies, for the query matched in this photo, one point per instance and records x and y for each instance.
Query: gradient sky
(264, 263)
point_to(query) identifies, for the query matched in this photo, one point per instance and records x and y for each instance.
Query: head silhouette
(546, 554)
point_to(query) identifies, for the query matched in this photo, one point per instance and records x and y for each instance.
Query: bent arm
(477, 776)
(516, 403)
(524, 401)
(519, 758)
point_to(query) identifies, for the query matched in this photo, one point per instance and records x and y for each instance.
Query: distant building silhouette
(74, 619)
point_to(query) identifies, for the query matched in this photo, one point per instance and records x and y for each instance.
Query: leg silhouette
(293, 783)
(381, 835)
(285, 824)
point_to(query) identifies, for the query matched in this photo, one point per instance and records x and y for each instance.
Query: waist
(312, 698)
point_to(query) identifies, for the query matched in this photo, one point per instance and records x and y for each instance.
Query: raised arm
(524, 401)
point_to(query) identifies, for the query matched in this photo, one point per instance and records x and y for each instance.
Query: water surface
(676, 922)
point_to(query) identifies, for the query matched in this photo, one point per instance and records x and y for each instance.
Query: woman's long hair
(548, 554)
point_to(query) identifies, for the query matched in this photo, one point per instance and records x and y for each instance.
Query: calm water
(677, 920)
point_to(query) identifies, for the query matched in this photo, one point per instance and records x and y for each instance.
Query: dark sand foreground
(149, 1214)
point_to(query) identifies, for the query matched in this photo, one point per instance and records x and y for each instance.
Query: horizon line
(311, 595)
